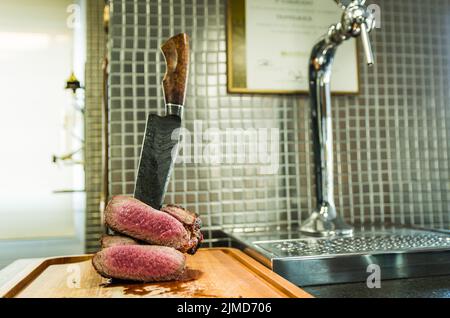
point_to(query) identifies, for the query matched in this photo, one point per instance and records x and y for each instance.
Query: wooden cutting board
(212, 272)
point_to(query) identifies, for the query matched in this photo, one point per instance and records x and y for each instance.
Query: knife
(161, 139)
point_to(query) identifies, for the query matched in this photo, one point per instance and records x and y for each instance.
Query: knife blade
(160, 145)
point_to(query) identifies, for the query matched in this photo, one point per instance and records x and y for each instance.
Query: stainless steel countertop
(259, 244)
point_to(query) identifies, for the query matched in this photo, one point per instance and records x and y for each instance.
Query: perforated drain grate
(354, 245)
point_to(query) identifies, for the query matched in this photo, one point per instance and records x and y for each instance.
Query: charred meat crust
(191, 221)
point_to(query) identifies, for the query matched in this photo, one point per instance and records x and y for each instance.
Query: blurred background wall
(40, 214)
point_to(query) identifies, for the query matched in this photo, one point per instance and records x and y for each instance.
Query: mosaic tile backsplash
(391, 141)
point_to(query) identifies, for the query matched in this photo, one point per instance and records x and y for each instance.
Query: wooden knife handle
(176, 54)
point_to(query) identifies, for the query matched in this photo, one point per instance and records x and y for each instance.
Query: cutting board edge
(23, 278)
(268, 275)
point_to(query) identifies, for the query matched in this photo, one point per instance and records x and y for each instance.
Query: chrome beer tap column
(356, 21)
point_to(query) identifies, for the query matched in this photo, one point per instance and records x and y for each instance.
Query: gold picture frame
(236, 55)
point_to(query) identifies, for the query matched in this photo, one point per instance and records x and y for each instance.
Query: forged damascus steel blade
(158, 155)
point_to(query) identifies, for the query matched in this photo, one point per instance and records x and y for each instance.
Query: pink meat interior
(136, 219)
(143, 261)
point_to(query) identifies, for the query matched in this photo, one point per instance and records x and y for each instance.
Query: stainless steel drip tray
(399, 252)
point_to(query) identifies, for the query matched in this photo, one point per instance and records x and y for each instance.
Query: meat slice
(113, 240)
(184, 216)
(144, 263)
(191, 222)
(134, 218)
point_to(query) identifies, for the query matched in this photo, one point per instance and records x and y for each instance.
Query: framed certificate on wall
(269, 43)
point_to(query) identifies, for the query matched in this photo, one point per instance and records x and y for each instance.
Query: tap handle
(366, 44)
(345, 3)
